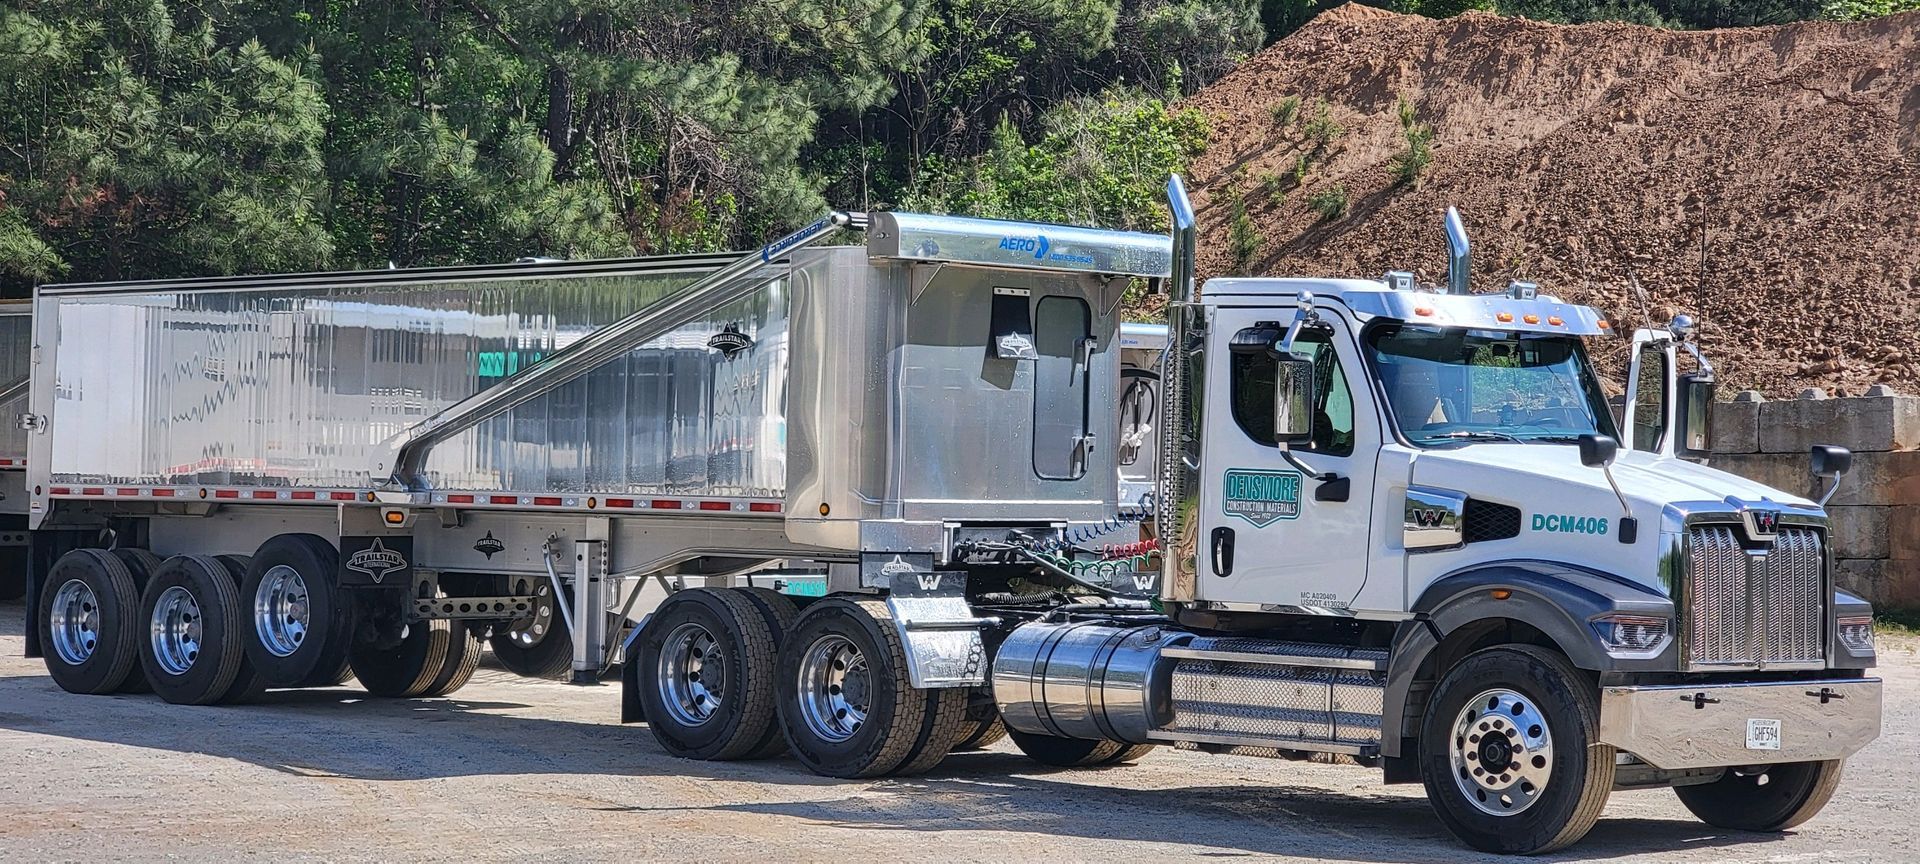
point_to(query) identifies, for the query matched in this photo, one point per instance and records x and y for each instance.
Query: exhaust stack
(1181, 273)
(1457, 253)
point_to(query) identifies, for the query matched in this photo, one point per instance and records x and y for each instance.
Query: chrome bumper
(1715, 725)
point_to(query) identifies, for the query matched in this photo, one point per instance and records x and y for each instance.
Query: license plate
(1763, 734)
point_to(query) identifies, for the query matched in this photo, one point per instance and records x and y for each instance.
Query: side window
(1649, 400)
(1252, 375)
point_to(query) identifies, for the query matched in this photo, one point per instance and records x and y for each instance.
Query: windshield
(1451, 385)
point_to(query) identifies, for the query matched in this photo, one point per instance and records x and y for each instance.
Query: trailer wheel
(13, 573)
(981, 727)
(1067, 752)
(141, 563)
(540, 646)
(706, 674)
(89, 622)
(846, 706)
(778, 610)
(409, 667)
(1508, 751)
(463, 657)
(193, 652)
(1774, 799)
(301, 621)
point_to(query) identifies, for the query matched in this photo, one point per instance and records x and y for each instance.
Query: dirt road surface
(518, 769)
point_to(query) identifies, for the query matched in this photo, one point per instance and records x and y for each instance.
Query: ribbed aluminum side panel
(300, 386)
(1746, 610)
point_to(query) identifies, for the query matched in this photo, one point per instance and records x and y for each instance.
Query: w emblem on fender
(1428, 518)
(928, 581)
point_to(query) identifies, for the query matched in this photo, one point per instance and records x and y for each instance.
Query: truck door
(1647, 421)
(1272, 534)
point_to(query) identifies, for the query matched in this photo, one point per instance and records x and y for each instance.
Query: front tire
(1509, 752)
(90, 622)
(1778, 798)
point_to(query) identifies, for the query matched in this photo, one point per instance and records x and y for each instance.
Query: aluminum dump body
(949, 369)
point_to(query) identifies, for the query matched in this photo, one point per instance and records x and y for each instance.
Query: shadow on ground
(343, 733)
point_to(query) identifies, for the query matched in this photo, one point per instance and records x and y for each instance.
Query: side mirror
(1293, 399)
(1831, 461)
(1597, 451)
(1695, 416)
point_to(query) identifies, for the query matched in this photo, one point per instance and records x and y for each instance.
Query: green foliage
(1302, 164)
(1282, 17)
(1243, 239)
(1285, 111)
(1273, 184)
(1098, 161)
(1331, 203)
(1408, 165)
(1449, 8)
(1860, 10)
(133, 130)
(1321, 129)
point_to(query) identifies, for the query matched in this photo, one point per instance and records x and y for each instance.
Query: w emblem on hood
(1761, 521)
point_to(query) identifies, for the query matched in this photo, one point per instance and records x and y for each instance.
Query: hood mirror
(1598, 451)
(1831, 461)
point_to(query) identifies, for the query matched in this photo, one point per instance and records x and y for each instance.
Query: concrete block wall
(1876, 513)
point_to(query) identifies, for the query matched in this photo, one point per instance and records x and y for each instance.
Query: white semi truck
(1368, 518)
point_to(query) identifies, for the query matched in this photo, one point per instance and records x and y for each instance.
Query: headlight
(1856, 634)
(1631, 634)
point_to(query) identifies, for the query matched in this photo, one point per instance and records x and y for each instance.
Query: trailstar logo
(489, 546)
(376, 561)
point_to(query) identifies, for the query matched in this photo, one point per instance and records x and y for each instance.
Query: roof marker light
(1423, 311)
(1555, 320)
(1531, 319)
(1604, 324)
(1503, 317)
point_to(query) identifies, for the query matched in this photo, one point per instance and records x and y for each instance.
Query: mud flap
(938, 630)
(631, 710)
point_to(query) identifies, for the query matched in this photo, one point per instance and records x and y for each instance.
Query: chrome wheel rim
(281, 612)
(176, 630)
(74, 622)
(835, 688)
(531, 631)
(1502, 752)
(693, 680)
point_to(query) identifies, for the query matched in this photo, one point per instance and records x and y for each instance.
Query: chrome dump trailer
(390, 462)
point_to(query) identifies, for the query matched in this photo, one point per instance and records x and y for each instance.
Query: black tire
(141, 563)
(897, 731)
(946, 713)
(1128, 754)
(13, 573)
(542, 647)
(981, 727)
(302, 568)
(188, 590)
(779, 611)
(91, 645)
(408, 668)
(1580, 770)
(698, 638)
(1776, 799)
(463, 657)
(1066, 752)
(249, 684)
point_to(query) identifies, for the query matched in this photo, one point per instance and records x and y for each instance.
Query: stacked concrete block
(1876, 513)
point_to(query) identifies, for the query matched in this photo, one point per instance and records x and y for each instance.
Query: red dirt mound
(1765, 180)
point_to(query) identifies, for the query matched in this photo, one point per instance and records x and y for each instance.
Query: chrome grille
(1746, 609)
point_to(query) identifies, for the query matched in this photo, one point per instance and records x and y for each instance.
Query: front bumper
(1719, 725)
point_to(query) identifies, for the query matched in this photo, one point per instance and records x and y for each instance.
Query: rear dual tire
(194, 651)
(431, 659)
(301, 620)
(86, 616)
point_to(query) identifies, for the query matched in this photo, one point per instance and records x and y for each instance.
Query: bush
(1331, 203)
(1321, 129)
(1273, 184)
(1286, 111)
(1301, 165)
(1243, 240)
(1409, 164)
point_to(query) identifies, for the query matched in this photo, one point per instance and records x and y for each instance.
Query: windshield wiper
(1476, 435)
(1557, 439)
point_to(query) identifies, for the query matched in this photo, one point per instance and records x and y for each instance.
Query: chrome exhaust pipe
(1184, 244)
(1458, 259)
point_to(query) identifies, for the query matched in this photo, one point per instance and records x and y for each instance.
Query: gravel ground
(515, 769)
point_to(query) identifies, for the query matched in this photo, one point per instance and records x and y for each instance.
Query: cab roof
(1368, 299)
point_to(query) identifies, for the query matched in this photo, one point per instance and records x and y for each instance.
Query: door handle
(1223, 551)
